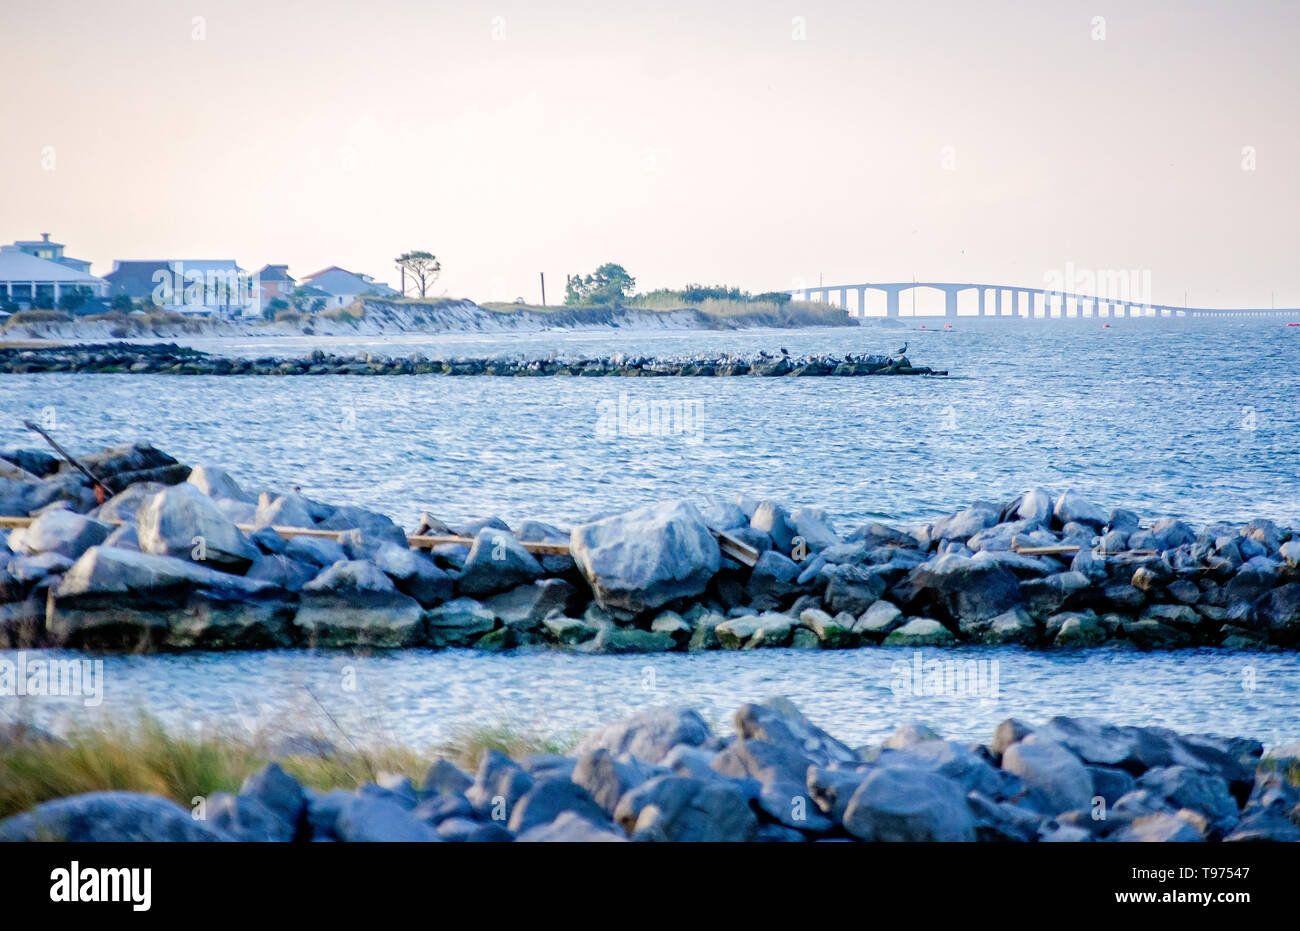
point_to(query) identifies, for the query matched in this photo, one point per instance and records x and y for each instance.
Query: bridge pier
(891, 302)
(950, 302)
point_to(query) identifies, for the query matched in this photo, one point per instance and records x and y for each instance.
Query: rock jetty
(182, 558)
(664, 775)
(171, 359)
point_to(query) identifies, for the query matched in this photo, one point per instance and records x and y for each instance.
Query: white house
(43, 248)
(25, 277)
(343, 287)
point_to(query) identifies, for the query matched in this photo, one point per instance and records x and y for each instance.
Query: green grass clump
(143, 756)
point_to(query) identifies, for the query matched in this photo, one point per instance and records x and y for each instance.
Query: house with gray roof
(205, 287)
(344, 287)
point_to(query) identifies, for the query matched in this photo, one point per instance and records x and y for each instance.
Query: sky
(758, 144)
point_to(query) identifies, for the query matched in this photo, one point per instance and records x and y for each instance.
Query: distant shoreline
(379, 317)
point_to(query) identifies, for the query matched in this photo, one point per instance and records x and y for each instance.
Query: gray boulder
(548, 799)
(497, 561)
(126, 504)
(114, 598)
(458, 623)
(1203, 793)
(378, 526)
(645, 558)
(182, 521)
(853, 588)
(606, 779)
(965, 524)
(280, 793)
(353, 603)
(569, 828)
(961, 587)
(778, 721)
(814, 527)
(781, 772)
(878, 620)
(1278, 614)
(1051, 771)
(283, 511)
(1072, 507)
(62, 532)
(217, 483)
(920, 632)
(1035, 506)
(649, 735)
(318, 551)
(527, 606)
(774, 520)
(1163, 827)
(445, 778)
(246, 819)
(368, 818)
(499, 783)
(682, 809)
(752, 631)
(896, 803)
(108, 817)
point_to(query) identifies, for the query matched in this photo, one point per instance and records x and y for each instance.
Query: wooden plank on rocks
(534, 547)
(737, 549)
(1058, 550)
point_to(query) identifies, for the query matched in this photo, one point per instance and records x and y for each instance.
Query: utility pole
(542, 275)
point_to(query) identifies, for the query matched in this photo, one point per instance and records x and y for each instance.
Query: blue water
(1189, 418)
(422, 698)
(1174, 418)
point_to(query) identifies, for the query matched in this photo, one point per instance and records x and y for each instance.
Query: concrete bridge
(1005, 301)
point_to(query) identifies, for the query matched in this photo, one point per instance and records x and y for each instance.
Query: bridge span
(1010, 301)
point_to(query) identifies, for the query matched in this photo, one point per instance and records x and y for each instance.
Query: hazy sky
(689, 141)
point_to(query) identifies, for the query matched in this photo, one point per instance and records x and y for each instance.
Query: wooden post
(542, 275)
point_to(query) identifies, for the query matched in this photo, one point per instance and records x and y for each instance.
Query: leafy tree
(273, 308)
(609, 284)
(122, 303)
(423, 267)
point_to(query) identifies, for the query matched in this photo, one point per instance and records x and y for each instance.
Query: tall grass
(141, 755)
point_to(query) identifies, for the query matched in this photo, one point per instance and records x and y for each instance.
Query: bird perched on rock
(901, 351)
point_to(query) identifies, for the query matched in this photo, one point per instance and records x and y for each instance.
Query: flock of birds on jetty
(168, 358)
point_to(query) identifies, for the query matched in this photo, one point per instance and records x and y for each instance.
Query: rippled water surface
(1190, 418)
(422, 698)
